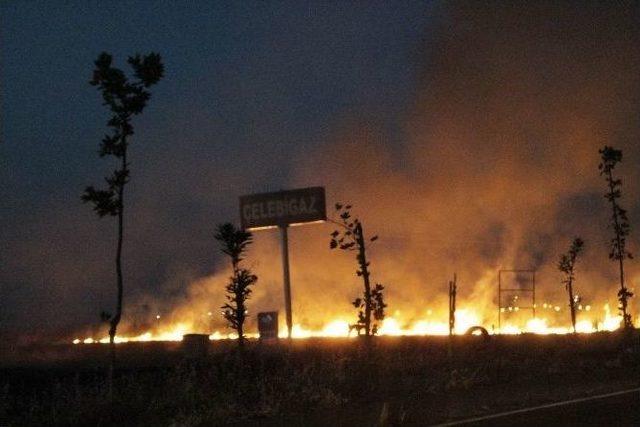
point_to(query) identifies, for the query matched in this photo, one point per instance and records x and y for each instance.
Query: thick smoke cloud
(497, 167)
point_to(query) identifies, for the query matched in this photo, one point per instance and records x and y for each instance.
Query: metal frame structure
(526, 291)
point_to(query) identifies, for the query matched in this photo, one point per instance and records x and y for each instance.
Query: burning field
(493, 164)
(488, 161)
(392, 326)
(488, 149)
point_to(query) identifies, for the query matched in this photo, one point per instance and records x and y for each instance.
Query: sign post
(286, 278)
(283, 209)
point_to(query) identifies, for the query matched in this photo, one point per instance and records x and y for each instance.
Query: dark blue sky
(241, 76)
(248, 87)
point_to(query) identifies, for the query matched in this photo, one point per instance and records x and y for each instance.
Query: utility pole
(452, 314)
(452, 304)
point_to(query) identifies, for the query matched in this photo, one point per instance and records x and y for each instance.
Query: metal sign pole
(287, 280)
(279, 209)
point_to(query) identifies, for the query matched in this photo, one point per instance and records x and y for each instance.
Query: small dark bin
(195, 346)
(268, 325)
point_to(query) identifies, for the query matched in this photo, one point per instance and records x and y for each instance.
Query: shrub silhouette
(234, 244)
(350, 237)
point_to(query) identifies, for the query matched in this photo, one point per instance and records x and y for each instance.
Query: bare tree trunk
(572, 305)
(239, 325)
(365, 275)
(620, 255)
(452, 305)
(115, 320)
(240, 316)
(452, 314)
(623, 291)
(240, 336)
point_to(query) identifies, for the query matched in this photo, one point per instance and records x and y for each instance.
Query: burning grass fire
(516, 295)
(591, 320)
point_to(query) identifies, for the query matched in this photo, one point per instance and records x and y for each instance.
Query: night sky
(259, 96)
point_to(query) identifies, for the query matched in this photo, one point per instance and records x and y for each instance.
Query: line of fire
(517, 309)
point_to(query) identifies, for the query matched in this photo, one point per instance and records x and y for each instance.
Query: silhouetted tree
(350, 237)
(234, 244)
(567, 266)
(125, 98)
(620, 224)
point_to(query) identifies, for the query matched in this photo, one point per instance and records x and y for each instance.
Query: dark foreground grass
(395, 381)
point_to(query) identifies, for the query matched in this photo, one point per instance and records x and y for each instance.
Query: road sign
(283, 208)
